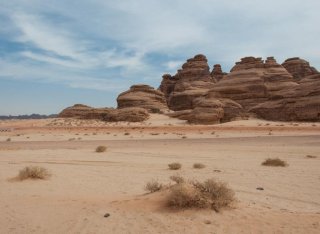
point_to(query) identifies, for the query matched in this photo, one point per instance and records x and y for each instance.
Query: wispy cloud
(104, 43)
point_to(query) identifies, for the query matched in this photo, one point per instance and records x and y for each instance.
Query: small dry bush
(185, 195)
(210, 193)
(153, 186)
(126, 133)
(198, 166)
(311, 156)
(9, 139)
(33, 172)
(177, 178)
(274, 162)
(101, 149)
(174, 166)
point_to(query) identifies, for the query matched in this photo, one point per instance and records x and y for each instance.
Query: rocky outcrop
(217, 72)
(143, 96)
(190, 82)
(80, 111)
(299, 68)
(75, 111)
(263, 88)
(300, 103)
(130, 114)
(253, 81)
(167, 85)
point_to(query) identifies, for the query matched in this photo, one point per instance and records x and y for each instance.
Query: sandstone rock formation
(263, 88)
(217, 73)
(133, 114)
(75, 111)
(299, 68)
(190, 82)
(253, 81)
(143, 96)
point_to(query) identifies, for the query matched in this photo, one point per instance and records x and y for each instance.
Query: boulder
(143, 96)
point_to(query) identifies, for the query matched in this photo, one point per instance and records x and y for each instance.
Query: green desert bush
(101, 149)
(153, 186)
(174, 166)
(33, 172)
(198, 166)
(274, 162)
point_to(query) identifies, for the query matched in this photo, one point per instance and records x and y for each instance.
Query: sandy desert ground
(85, 185)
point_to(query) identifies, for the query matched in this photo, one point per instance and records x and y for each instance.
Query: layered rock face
(217, 73)
(263, 88)
(252, 81)
(190, 82)
(75, 111)
(133, 114)
(143, 96)
(299, 103)
(299, 68)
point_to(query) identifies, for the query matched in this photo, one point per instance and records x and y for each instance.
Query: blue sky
(57, 53)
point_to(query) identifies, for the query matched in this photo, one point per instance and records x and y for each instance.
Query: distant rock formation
(133, 114)
(190, 82)
(252, 81)
(217, 73)
(75, 111)
(299, 68)
(143, 96)
(256, 87)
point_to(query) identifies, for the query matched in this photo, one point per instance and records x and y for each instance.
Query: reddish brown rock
(143, 96)
(190, 82)
(299, 68)
(217, 72)
(107, 114)
(167, 85)
(253, 81)
(75, 111)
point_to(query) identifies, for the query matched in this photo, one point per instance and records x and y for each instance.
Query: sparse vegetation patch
(153, 186)
(174, 166)
(198, 166)
(274, 162)
(101, 149)
(33, 172)
(208, 194)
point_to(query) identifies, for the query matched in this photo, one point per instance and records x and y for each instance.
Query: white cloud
(126, 40)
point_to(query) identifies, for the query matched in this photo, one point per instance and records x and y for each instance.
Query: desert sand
(86, 185)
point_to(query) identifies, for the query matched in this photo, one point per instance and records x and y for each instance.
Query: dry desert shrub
(9, 139)
(33, 172)
(210, 193)
(185, 195)
(274, 162)
(311, 156)
(153, 186)
(126, 133)
(174, 166)
(177, 178)
(198, 166)
(101, 149)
